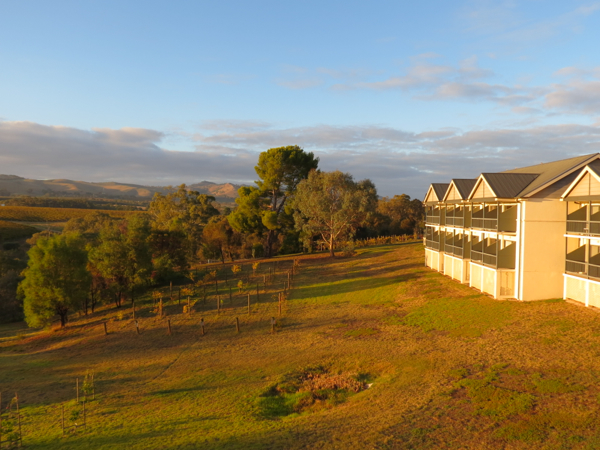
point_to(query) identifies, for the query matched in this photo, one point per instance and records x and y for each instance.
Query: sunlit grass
(447, 367)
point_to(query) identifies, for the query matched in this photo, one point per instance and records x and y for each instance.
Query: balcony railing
(582, 269)
(485, 258)
(484, 224)
(455, 250)
(432, 219)
(433, 245)
(583, 227)
(456, 221)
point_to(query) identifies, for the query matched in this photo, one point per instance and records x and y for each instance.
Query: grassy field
(436, 366)
(40, 214)
(11, 230)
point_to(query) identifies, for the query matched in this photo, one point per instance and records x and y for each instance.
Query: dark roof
(508, 185)
(595, 166)
(548, 172)
(440, 189)
(464, 186)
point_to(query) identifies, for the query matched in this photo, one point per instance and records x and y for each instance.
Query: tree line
(293, 207)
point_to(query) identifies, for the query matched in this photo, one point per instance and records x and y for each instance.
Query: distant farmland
(38, 214)
(11, 230)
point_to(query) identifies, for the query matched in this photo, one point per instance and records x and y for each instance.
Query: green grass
(446, 367)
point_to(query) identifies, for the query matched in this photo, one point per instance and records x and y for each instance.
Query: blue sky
(404, 93)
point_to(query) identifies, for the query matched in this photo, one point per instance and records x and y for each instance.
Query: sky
(404, 93)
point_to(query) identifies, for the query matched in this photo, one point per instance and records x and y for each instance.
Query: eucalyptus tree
(332, 205)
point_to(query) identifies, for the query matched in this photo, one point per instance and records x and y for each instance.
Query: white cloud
(398, 161)
(577, 95)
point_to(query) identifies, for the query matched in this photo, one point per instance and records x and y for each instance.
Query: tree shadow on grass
(348, 286)
(175, 434)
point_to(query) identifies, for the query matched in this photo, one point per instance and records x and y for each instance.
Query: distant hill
(223, 191)
(12, 185)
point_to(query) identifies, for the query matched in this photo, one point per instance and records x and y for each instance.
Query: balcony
(484, 258)
(454, 250)
(584, 227)
(455, 221)
(500, 217)
(434, 220)
(582, 269)
(433, 245)
(485, 224)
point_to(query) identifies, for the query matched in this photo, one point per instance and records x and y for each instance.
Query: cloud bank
(398, 161)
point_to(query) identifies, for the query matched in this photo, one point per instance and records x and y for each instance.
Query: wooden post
(105, 330)
(218, 303)
(202, 326)
(272, 324)
(137, 327)
(77, 389)
(160, 308)
(169, 326)
(217, 286)
(19, 421)
(237, 325)
(280, 304)
(133, 310)
(248, 304)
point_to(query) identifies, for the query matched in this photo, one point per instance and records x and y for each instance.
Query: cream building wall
(542, 253)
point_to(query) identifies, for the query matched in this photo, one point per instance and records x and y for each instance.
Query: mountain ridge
(14, 185)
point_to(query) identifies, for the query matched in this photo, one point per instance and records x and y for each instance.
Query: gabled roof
(508, 185)
(482, 189)
(595, 167)
(589, 173)
(464, 186)
(551, 172)
(438, 190)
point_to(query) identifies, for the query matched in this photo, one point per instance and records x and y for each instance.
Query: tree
(169, 253)
(263, 209)
(184, 211)
(220, 240)
(56, 279)
(401, 214)
(332, 205)
(123, 256)
(11, 305)
(89, 226)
